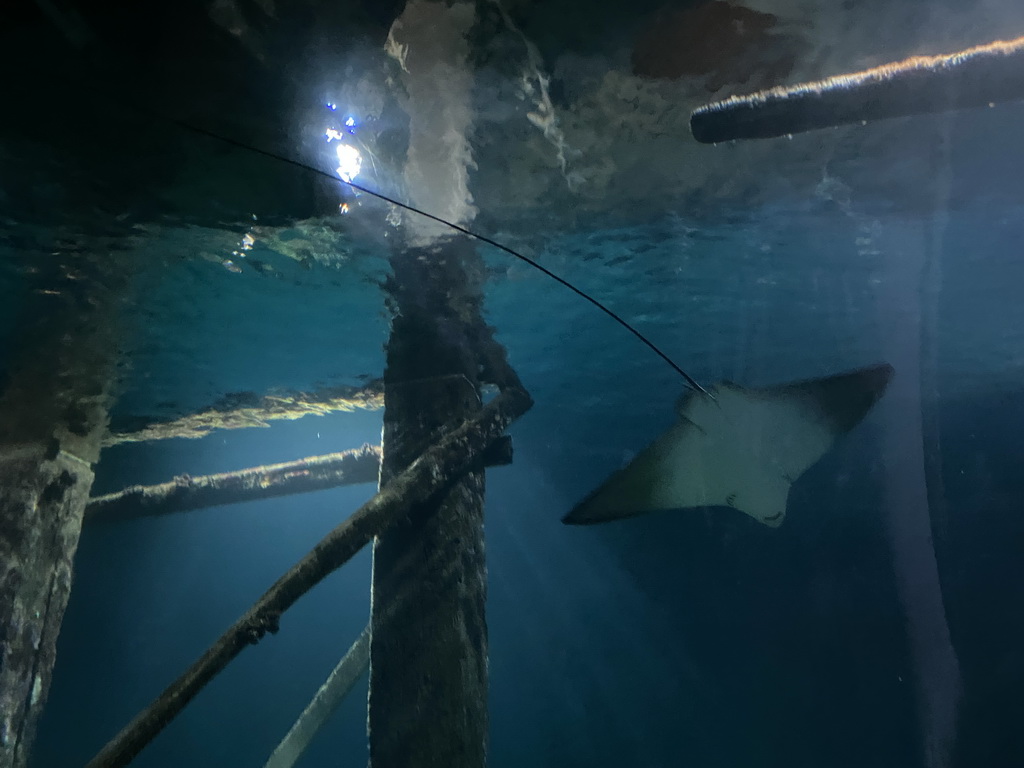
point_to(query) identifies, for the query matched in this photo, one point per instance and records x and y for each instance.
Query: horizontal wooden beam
(313, 473)
(977, 77)
(184, 492)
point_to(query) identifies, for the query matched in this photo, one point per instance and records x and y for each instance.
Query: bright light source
(331, 133)
(332, 106)
(349, 161)
(350, 122)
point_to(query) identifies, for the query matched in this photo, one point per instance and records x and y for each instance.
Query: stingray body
(743, 448)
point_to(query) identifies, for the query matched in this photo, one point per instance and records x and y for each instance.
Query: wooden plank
(184, 492)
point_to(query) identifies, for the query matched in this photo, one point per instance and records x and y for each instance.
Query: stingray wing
(744, 449)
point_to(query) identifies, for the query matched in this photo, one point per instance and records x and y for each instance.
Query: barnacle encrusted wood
(184, 492)
(313, 473)
(428, 650)
(53, 413)
(975, 77)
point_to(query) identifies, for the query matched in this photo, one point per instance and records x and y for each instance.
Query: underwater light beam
(691, 382)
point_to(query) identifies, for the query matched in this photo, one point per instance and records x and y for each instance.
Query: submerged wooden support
(53, 414)
(457, 452)
(313, 473)
(42, 498)
(976, 77)
(341, 680)
(428, 654)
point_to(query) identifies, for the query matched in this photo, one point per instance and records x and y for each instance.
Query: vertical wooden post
(428, 653)
(53, 413)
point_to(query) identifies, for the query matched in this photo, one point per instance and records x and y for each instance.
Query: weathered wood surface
(428, 653)
(313, 473)
(42, 498)
(456, 453)
(53, 414)
(428, 675)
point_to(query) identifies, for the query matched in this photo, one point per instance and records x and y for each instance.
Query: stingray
(737, 447)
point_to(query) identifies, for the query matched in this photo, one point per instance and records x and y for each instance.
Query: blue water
(696, 638)
(880, 625)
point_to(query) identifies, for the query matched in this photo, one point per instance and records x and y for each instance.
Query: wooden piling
(53, 413)
(428, 653)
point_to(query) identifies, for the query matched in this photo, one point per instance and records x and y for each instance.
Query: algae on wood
(428, 653)
(982, 76)
(313, 473)
(53, 414)
(185, 492)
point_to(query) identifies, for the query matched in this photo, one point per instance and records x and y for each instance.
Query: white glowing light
(349, 161)
(332, 106)
(331, 133)
(350, 122)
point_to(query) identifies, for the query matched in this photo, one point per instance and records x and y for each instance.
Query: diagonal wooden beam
(456, 453)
